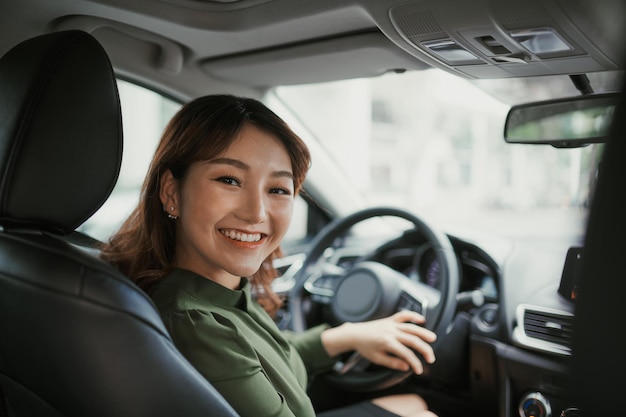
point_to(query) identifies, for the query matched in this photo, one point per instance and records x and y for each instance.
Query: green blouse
(234, 343)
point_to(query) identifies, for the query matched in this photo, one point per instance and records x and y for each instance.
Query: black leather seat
(76, 337)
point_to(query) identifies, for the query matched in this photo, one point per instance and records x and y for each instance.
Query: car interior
(525, 328)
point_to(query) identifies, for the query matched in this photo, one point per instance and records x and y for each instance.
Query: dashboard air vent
(544, 329)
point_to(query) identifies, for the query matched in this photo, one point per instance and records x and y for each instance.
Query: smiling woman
(145, 246)
(215, 206)
(233, 210)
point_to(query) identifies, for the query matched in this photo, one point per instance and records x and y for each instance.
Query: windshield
(432, 142)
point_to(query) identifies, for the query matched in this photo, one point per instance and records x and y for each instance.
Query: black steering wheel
(371, 290)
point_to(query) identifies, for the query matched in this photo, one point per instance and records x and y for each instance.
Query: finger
(396, 356)
(391, 362)
(418, 345)
(402, 352)
(408, 316)
(418, 331)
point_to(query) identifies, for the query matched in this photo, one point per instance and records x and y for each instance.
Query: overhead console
(506, 38)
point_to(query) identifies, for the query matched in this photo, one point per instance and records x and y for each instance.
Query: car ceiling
(187, 48)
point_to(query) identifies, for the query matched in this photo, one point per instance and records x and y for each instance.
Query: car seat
(77, 338)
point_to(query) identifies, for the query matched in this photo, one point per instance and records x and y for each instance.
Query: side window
(144, 116)
(299, 223)
(307, 221)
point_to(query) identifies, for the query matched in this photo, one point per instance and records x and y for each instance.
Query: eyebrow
(242, 165)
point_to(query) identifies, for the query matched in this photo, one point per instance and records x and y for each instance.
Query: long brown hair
(144, 246)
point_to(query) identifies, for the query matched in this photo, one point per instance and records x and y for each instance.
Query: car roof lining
(247, 46)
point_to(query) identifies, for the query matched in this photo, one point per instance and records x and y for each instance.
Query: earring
(171, 216)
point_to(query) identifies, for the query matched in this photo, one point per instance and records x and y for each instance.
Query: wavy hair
(144, 246)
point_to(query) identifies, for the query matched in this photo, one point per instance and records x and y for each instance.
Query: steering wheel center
(362, 295)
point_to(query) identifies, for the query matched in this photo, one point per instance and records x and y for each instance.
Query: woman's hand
(389, 342)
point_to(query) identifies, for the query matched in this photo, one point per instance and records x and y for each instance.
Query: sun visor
(350, 56)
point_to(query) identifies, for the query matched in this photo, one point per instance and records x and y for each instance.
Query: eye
(280, 190)
(229, 181)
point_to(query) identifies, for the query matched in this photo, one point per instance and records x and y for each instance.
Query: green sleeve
(309, 346)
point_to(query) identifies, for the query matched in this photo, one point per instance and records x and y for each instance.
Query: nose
(253, 209)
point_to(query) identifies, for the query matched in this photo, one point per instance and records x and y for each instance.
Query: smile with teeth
(240, 236)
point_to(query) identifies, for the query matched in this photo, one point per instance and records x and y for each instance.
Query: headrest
(60, 132)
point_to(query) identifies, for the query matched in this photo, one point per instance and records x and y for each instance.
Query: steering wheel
(371, 290)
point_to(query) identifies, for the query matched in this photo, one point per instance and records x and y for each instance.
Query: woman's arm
(310, 347)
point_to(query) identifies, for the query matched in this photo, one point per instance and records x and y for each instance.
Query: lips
(240, 236)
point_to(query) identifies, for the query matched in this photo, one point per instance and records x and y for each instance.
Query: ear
(168, 193)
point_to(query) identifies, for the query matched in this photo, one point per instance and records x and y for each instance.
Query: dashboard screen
(571, 273)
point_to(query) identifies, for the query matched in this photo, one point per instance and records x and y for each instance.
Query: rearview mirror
(562, 123)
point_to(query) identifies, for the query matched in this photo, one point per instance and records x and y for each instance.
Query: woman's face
(234, 209)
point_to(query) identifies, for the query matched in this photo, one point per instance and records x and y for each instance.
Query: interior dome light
(541, 41)
(451, 52)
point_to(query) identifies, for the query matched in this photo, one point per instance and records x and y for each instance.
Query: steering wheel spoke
(322, 282)
(419, 305)
(421, 298)
(355, 362)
